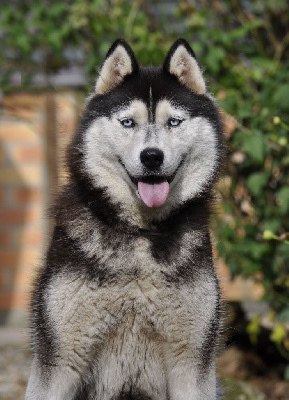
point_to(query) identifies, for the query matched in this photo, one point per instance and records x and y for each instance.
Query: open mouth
(153, 188)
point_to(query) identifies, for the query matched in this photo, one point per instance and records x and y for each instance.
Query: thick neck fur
(89, 210)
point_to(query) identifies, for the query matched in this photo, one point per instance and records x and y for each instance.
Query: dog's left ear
(118, 63)
(181, 62)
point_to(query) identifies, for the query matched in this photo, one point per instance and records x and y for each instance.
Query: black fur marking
(166, 236)
(83, 393)
(42, 332)
(133, 396)
(187, 271)
(81, 199)
(65, 255)
(207, 351)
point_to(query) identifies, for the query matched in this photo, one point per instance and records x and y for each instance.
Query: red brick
(3, 156)
(23, 280)
(28, 175)
(10, 176)
(31, 237)
(9, 259)
(14, 300)
(12, 216)
(15, 131)
(5, 238)
(29, 154)
(19, 259)
(6, 301)
(28, 195)
(2, 196)
(31, 175)
(67, 127)
(4, 280)
(22, 105)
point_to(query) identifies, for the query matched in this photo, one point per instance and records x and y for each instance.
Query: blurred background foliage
(244, 49)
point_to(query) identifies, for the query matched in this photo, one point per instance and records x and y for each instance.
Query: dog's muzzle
(153, 187)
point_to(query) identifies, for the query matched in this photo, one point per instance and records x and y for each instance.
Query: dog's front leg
(52, 382)
(71, 319)
(187, 381)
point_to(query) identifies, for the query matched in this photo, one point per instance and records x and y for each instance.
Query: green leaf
(240, 32)
(280, 98)
(253, 146)
(245, 112)
(23, 43)
(253, 329)
(278, 333)
(284, 315)
(55, 40)
(262, 62)
(272, 225)
(214, 58)
(256, 182)
(283, 199)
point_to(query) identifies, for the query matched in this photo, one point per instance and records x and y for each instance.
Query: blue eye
(174, 122)
(127, 123)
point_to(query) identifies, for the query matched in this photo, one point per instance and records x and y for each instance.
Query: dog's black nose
(152, 158)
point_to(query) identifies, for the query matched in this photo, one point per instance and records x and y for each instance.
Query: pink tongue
(153, 194)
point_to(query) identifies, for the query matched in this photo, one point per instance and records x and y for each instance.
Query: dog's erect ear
(181, 62)
(119, 62)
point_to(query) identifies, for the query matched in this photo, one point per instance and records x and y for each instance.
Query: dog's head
(150, 138)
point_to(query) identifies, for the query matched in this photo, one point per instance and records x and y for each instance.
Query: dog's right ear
(181, 62)
(119, 62)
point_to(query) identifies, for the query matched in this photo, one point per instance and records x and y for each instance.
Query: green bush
(244, 48)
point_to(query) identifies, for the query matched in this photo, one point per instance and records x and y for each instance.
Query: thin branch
(273, 145)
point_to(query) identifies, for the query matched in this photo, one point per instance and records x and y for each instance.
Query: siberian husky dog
(127, 305)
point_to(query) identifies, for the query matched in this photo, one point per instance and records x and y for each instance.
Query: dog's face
(151, 137)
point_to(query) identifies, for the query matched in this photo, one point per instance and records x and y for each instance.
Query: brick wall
(25, 190)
